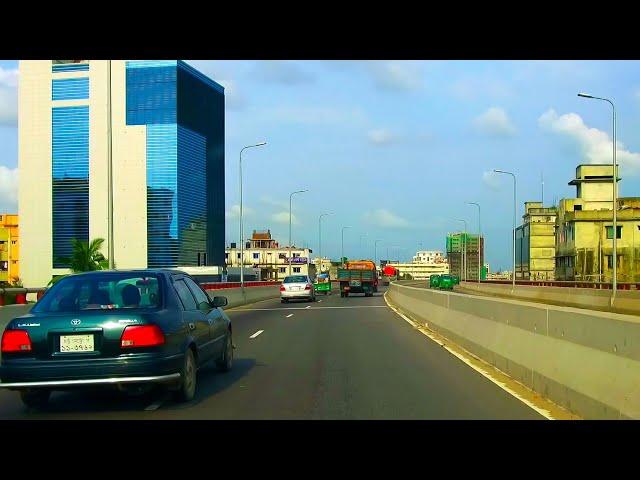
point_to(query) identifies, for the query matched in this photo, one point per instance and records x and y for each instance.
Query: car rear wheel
(226, 362)
(35, 398)
(188, 376)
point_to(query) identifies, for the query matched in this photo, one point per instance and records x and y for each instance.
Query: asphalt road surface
(338, 358)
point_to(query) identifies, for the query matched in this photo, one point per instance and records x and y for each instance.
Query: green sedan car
(124, 329)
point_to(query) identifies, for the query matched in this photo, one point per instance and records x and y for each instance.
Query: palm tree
(85, 257)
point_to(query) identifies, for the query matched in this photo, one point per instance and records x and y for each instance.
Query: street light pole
(320, 237)
(361, 236)
(375, 251)
(513, 247)
(615, 197)
(342, 255)
(464, 249)
(241, 226)
(479, 237)
(290, 197)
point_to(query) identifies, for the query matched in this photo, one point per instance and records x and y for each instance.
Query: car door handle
(192, 326)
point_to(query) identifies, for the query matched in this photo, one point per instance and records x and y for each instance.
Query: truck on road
(359, 276)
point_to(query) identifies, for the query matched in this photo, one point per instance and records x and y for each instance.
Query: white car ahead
(297, 286)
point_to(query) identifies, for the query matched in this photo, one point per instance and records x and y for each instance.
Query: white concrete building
(261, 251)
(164, 125)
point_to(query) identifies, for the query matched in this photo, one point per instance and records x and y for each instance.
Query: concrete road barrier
(586, 361)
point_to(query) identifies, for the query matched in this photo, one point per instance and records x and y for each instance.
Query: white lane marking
(320, 301)
(300, 308)
(290, 315)
(307, 307)
(545, 413)
(256, 334)
(157, 404)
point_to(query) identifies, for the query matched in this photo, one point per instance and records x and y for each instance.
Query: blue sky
(395, 148)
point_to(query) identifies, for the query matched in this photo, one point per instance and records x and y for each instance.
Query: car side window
(201, 297)
(188, 302)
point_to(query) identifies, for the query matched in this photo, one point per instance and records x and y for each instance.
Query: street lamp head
(585, 95)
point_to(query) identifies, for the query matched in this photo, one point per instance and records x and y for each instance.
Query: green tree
(85, 257)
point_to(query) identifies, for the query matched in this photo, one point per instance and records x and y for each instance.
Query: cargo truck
(358, 277)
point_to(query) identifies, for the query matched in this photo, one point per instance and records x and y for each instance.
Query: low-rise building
(9, 248)
(262, 251)
(425, 263)
(584, 230)
(323, 265)
(535, 243)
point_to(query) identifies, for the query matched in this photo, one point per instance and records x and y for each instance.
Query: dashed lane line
(290, 315)
(256, 334)
(305, 308)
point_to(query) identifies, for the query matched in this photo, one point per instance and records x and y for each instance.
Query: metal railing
(567, 283)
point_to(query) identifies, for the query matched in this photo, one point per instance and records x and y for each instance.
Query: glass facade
(70, 88)
(184, 115)
(70, 172)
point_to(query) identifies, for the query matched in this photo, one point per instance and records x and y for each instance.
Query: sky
(394, 149)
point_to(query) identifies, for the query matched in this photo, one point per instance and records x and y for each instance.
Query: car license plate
(355, 283)
(76, 343)
(295, 288)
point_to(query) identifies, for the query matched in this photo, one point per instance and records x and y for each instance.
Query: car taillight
(141, 336)
(282, 289)
(15, 341)
(307, 287)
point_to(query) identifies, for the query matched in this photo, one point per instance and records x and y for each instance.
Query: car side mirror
(219, 302)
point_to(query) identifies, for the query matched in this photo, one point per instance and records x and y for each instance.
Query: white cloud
(381, 136)
(274, 203)
(8, 97)
(8, 189)
(385, 219)
(396, 75)
(491, 180)
(283, 217)
(595, 145)
(286, 72)
(234, 212)
(495, 122)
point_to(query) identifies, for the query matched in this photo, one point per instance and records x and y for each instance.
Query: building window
(296, 269)
(610, 232)
(283, 269)
(238, 256)
(226, 255)
(296, 255)
(256, 256)
(610, 261)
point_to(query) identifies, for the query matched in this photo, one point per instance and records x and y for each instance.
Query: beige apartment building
(263, 252)
(584, 230)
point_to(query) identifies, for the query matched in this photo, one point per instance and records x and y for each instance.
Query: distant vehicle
(390, 271)
(127, 329)
(322, 284)
(358, 276)
(446, 282)
(434, 281)
(456, 279)
(297, 287)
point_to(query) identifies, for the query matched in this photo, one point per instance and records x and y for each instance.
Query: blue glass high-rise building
(166, 136)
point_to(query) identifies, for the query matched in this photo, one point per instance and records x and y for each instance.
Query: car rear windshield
(107, 291)
(296, 279)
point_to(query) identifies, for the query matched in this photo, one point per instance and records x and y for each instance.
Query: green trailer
(357, 281)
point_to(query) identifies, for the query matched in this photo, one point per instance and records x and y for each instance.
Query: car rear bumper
(171, 378)
(300, 294)
(25, 373)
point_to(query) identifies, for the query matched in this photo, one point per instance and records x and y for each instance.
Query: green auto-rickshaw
(322, 284)
(446, 282)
